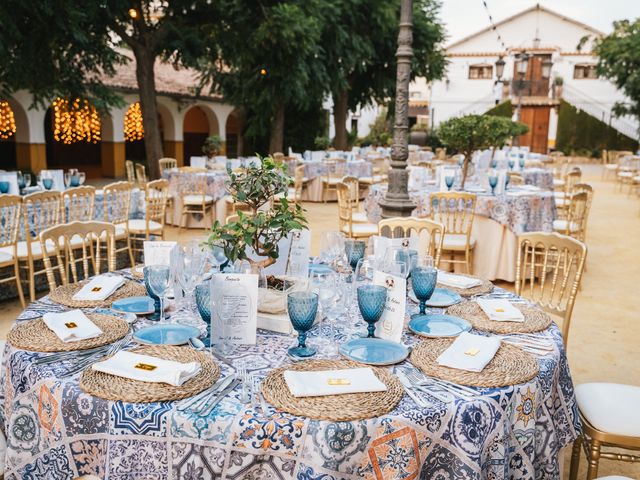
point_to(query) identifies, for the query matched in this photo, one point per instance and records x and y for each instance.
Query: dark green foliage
(504, 109)
(579, 132)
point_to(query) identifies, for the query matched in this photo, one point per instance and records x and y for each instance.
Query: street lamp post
(396, 202)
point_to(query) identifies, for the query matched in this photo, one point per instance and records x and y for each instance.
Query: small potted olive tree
(212, 146)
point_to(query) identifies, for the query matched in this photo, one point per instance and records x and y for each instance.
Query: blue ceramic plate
(443, 298)
(374, 351)
(166, 334)
(320, 268)
(137, 305)
(438, 325)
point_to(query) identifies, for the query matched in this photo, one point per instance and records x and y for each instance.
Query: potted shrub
(419, 134)
(322, 143)
(212, 146)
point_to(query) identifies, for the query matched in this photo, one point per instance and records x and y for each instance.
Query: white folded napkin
(71, 326)
(457, 281)
(530, 188)
(500, 310)
(332, 382)
(470, 352)
(99, 288)
(146, 368)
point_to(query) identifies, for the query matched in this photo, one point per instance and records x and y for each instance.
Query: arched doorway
(83, 154)
(233, 140)
(198, 124)
(8, 129)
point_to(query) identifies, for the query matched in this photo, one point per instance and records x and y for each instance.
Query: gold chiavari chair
(299, 182)
(430, 233)
(563, 198)
(195, 200)
(549, 271)
(131, 171)
(116, 206)
(379, 172)
(576, 219)
(10, 209)
(588, 189)
(141, 175)
(345, 215)
(153, 223)
(78, 204)
(167, 164)
(607, 412)
(334, 171)
(354, 192)
(41, 210)
(456, 211)
(74, 244)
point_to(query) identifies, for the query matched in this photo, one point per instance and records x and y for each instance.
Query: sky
(464, 17)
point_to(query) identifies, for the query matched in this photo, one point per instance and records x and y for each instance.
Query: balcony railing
(530, 88)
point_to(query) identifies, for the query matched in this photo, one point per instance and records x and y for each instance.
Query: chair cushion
(196, 199)
(558, 183)
(610, 407)
(558, 194)
(36, 251)
(359, 217)
(611, 166)
(331, 180)
(457, 241)
(561, 226)
(140, 226)
(361, 229)
(626, 174)
(370, 180)
(562, 202)
(6, 256)
(614, 477)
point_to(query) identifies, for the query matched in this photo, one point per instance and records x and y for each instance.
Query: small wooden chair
(345, 215)
(141, 175)
(140, 230)
(430, 234)
(78, 204)
(334, 171)
(116, 206)
(354, 192)
(167, 164)
(195, 200)
(131, 171)
(10, 218)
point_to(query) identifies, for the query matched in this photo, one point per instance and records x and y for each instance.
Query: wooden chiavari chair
(131, 171)
(334, 171)
(354, 192)
(141, 175)
(41, 210)
(10, 210)
(299, 182)
(78, 244)
(78, 204)
(195, 200)
(575, 220)
(563, 198)
(153, 223)
(345, 215)
(167, 164)
(379, 172)
(588, 189)
(549, 271)
(430, 234)
(456, 211)
(116, 205)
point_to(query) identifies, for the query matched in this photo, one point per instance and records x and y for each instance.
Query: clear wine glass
(82, 177)
(158, 281)
(322, 284)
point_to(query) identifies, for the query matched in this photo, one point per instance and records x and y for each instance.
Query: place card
(158, 252)
(391, 323)
(380, 244)
(299, 252)
(234, 308)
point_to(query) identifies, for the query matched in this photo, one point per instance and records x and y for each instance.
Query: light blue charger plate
(437, 325)
(441, 298)
(137, 305)
(374, 351)
(166, 334)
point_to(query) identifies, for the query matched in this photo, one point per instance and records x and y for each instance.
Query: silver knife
(205, 412)
(201, 399)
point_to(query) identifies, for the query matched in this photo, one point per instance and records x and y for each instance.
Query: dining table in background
(314, 171)
(498, 220)
(55, 430)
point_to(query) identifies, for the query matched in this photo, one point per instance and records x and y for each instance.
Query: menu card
(235, 308)
(391, 322)
(299, 252)
(158, 253)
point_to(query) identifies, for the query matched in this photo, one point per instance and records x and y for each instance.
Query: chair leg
(575, 459)
(16, 269)
(594, 460)
(130, 249)
(32, 281)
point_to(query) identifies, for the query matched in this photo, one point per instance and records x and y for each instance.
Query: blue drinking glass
(302, 308)
(355, 251)
(448, 180)
(507, 179)
(47, 183)
(4, 187)
(371, 301)
(521, 163)
(512, 163)
(423, 281)
(203, 301)
(75, 181)
(156, 280)
(494, 163)
(493, 182)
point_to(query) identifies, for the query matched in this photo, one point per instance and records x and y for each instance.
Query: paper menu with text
(234, 312)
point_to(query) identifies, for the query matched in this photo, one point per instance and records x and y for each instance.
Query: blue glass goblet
(302, 308)
(4, 187)
(203, 301)
(156, 280)
(75, 181)
(493, 182)
(494, 163)
(371, 301)
(424, 277)
(355, 251)
(521, 163)
(448, 180)
(47, 183)
(507, 179)
(512, 163)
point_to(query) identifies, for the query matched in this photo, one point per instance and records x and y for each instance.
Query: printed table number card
(234, 309)
(391, 323)
(158, 253)
(299, 254)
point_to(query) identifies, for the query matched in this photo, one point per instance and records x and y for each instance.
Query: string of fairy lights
(133, 127)
(7, 121)
(493, 25)
(75, 121)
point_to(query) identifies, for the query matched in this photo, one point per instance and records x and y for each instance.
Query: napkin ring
(71, 325)
(472, 352)
(146, 366)
(338, 381)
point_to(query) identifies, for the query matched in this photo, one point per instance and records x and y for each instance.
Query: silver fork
(114, 347)
(202, 398)
(423, 380)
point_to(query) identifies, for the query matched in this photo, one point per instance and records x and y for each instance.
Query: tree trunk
(340, 111)
(276, 141)
(147, 92)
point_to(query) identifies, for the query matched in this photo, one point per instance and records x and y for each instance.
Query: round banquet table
(216, 188)
(498, 220)
(56, 431)
(315, 170)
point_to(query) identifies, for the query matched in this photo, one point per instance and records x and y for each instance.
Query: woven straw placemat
(136, 272)
(510, 366)
(535, 320)
(35, 336)
(113, 387)
(64, 294)
(337, 408)
(485, 287)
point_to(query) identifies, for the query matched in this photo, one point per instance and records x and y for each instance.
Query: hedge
(504, 109)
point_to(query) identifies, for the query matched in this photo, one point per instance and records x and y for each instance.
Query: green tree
(359, 43)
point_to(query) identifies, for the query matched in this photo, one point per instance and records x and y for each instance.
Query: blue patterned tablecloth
(539, 177)
(520, 212)
(355, 168)
(55, 431)
(216, 182)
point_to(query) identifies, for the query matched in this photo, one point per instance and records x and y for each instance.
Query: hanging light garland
(75, 121)
(7, 121)
(133, 128)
